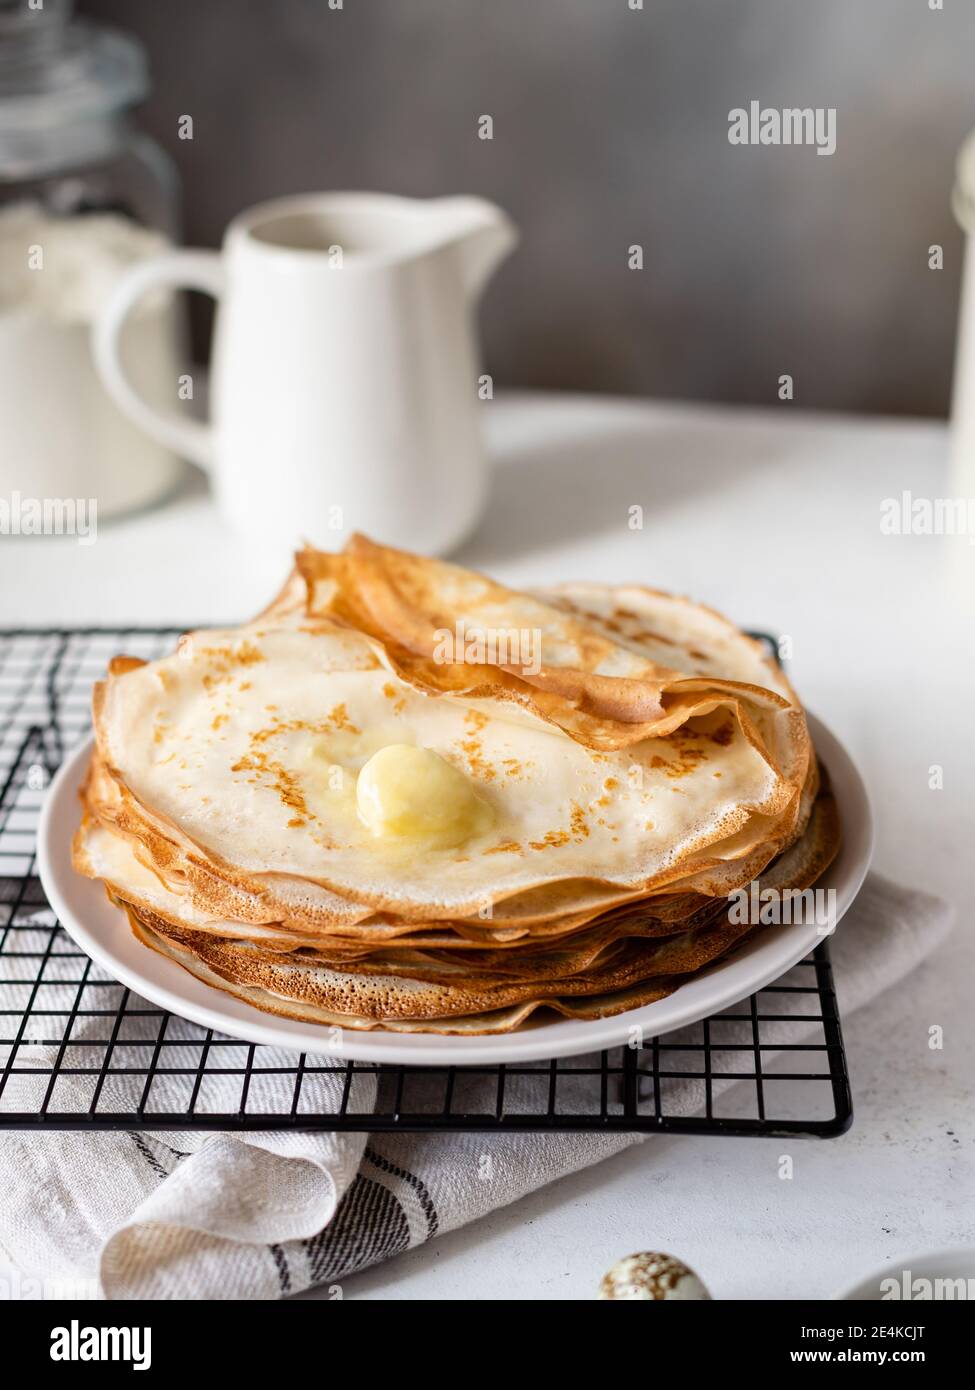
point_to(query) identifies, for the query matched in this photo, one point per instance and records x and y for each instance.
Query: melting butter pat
(409, 792)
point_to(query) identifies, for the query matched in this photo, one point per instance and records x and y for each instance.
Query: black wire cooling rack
(79, 1051)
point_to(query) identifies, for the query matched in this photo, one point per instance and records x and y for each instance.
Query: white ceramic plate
(102, 931)
(945, 1264)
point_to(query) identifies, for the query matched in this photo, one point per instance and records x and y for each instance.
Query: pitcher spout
(480, 235)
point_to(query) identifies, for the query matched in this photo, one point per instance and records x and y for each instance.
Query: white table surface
(773, 517)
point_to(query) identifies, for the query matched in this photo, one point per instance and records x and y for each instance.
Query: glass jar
(83, 193)
(66, 136)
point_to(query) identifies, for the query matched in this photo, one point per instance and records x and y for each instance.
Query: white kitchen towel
(230, 1216)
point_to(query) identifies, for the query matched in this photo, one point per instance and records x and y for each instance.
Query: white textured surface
(773, 517)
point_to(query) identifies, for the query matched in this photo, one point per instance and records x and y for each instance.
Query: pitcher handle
(195, 270)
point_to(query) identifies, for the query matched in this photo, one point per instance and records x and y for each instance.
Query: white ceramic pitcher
(344, 380)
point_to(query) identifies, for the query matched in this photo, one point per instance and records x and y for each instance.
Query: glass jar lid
(55, 70)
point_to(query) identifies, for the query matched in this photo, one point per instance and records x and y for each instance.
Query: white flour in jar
(61, 436)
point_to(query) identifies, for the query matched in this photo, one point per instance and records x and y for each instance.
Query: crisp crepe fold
(513, 646)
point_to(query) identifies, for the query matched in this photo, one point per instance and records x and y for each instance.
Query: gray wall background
(610, 128)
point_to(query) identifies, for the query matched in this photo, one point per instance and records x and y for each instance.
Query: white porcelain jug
(344, 381)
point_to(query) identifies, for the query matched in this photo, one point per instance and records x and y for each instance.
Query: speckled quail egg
(652, 1275)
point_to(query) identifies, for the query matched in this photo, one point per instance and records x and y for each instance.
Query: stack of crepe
(406, 797)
